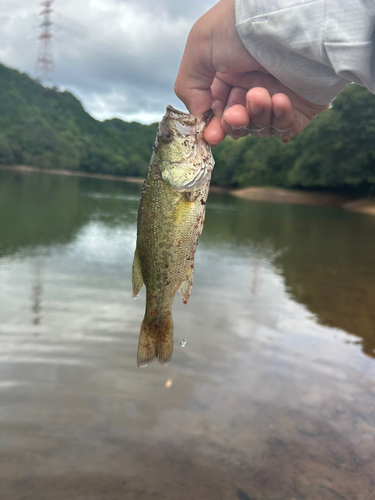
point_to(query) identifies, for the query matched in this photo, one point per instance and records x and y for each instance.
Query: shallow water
(273, 395)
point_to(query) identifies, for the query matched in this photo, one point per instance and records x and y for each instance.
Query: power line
(45, 64)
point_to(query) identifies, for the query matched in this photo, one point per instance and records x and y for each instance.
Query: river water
(273, 396)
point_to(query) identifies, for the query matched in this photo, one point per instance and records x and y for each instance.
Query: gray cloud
(189, 10)
(120, 57)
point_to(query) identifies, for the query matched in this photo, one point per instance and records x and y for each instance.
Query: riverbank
(274, 195)
(312, 198)
(73, 173)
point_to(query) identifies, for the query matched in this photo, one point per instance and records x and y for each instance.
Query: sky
(119, 57)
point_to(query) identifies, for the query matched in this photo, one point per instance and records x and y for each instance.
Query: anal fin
(137, 278)
(186, 286)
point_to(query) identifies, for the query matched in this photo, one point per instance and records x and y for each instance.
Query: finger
(196, 74)
(220, 93)
(214, 134)
(286, 120)
(235, 121)
(193, 88)
(254, 79)
(236, 95)
(259, 107)
(250, 80)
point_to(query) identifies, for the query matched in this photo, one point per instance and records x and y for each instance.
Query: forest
(48, 128)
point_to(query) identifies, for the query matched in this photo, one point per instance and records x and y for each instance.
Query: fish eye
(167, 137)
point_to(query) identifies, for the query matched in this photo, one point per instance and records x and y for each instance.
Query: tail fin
(155, 341)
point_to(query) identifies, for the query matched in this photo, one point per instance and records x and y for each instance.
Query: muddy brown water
(273, 396)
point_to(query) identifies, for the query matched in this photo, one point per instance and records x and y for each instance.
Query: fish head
(181, 152)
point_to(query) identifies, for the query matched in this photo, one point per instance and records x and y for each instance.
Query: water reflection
(325, 256)
(47, 210)
(270, 398)
(36, 293)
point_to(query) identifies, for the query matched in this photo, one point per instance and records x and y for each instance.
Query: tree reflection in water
(327, 257)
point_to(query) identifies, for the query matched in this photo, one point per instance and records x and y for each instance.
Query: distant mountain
(47, 128)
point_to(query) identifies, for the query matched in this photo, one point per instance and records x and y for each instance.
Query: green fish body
(170, 220)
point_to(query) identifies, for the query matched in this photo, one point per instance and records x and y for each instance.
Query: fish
(170, 220)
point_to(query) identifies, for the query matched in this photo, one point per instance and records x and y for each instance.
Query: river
(273, 396)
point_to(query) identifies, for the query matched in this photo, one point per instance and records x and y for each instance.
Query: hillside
(47, 128)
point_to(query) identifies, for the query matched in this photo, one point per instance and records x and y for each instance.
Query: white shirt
(314, 47)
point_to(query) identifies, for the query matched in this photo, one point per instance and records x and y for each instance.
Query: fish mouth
(189, 124)
(188, 118)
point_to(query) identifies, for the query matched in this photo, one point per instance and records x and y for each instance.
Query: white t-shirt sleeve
(314, 47)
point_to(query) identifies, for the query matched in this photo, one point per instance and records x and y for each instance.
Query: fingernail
(256, 108)
(285, 139)
(279, 113)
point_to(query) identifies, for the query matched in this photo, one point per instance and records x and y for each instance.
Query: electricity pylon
(45, 64)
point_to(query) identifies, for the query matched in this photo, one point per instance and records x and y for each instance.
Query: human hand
(218, 72)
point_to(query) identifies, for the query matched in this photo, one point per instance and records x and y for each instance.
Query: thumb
(196, 73)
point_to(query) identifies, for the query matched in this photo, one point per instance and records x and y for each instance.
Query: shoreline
(309, 198)
(79, 173)
(273, 195)
(71, 173)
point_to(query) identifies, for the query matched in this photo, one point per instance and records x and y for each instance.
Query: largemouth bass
(170, 219)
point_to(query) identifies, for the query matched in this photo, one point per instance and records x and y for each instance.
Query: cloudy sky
(119, 57)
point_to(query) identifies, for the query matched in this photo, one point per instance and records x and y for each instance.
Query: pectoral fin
(187, 284)
(137, 275)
